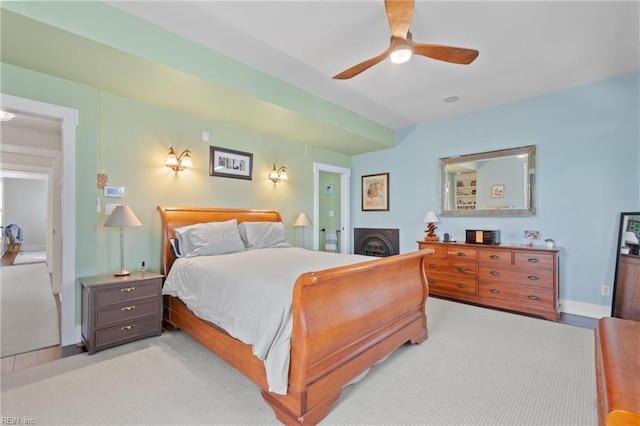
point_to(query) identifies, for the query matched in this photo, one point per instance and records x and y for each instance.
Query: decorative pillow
(204, 239)
(256, 235)
(175, 247)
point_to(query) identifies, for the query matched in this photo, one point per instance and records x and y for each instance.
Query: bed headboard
(175, 217)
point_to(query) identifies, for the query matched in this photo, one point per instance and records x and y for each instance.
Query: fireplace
(379, 242)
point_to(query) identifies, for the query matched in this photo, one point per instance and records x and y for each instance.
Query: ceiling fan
(402, 47)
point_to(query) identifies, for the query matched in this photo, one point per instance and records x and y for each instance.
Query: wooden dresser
(118, 310)
(517, 278)
(618, 372)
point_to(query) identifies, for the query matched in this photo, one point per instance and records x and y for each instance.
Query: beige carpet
(478, 367)
(29, 317)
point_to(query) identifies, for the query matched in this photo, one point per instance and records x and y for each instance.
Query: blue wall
(588, 141)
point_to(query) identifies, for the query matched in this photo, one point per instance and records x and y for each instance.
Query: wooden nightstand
(118, 310)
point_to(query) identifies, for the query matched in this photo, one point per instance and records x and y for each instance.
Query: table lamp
(431, 219)
(122, 217)
(302, 221)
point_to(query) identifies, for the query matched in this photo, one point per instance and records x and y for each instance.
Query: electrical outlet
(605, 290)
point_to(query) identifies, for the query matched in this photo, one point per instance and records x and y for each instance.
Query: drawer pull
(494, 273)
(128, 308)
(127, 289)
(533, 278)
(494, 257)
(494, 291)
(460, 269)
(127, 327)
(461, 285)
(533, 297)
(432, 281)
(533, 260)
(432, 265)
(460, 254)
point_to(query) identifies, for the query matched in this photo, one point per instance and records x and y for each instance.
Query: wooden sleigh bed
(345, 319)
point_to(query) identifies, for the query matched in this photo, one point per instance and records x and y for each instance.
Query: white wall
(25, 204)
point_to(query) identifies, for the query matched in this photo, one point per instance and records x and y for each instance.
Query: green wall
(129, 141)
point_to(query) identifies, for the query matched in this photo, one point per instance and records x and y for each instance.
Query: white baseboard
(584, 309)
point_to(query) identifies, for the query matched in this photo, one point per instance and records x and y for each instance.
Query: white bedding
(248, 294)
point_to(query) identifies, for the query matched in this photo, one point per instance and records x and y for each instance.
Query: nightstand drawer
(127, 292)
(129, 312)
(131, 330)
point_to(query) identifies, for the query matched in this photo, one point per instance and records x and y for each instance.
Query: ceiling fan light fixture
(401, 55)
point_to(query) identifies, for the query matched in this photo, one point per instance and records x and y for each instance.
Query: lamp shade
(629, 236)
(431, 217)
(303, 220)
(122, 217)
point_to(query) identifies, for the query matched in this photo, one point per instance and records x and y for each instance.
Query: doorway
(335, 215)
(62, 202)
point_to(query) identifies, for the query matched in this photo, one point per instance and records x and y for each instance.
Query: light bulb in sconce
(278, 175)
(179, 162)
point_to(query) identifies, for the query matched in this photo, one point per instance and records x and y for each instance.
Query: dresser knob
(533, 297)
(533, 278)
(128, 308)
(460, 254)
(127, 289)
(127, 327)
(432, 265)
(461, 285)
(494, 291)
(460, 269)
(494, 273)
(494, 257)
(533, 260)
(432, 281)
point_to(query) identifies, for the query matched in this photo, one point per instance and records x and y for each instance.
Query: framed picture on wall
(230, 163)
(375, 192)
(497, 191)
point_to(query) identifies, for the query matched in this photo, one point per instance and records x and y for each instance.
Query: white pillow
(204, 239)
(257, 235)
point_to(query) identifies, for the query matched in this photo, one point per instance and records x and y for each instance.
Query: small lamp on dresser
(431, 219)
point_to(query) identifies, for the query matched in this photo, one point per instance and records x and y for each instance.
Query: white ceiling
(526, 48)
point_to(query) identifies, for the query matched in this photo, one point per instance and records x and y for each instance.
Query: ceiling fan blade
(362, 66)
(456, 55)
(399, 14)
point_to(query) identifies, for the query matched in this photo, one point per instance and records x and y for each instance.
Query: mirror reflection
(626, 297)
(495, 183)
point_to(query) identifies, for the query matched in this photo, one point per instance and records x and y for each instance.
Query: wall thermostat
(114, 191)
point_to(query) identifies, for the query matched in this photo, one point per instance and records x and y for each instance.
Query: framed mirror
(626, 293)
(494, 183)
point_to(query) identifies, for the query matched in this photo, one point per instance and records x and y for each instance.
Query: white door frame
(345, 176)
(70, 331)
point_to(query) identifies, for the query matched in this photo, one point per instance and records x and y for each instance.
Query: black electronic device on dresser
(120, 309)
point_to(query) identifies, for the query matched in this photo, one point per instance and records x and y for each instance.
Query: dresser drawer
(455, 267)
(529, 296)
(439, 250)
(126, 293)
(534, 260)
(141, 308)
(131, 330)
(462, 253)
(438, 283)
(497, 257)
(528, 277)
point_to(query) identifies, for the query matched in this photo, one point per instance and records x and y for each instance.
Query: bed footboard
(345, 320)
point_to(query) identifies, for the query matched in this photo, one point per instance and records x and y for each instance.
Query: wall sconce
(431, 219)
(179, 163)
(278, 175)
